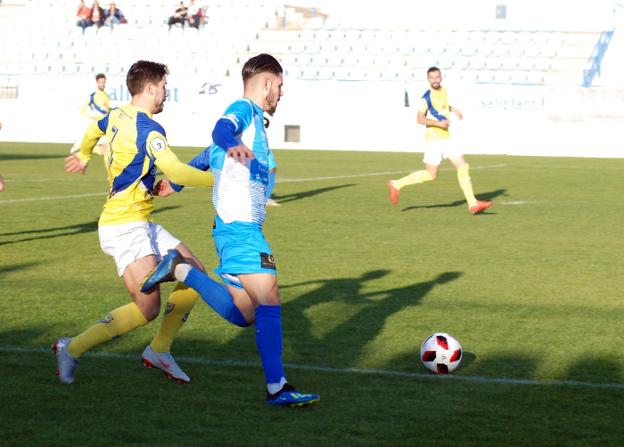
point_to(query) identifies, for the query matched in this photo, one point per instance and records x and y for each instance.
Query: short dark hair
(143, 72)
(262, 63)
(100, 76)
(432, 69)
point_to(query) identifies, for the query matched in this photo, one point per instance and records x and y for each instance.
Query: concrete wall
(499, 119)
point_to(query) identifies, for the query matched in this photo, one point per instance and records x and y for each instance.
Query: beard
(271, 101)
(160, 108)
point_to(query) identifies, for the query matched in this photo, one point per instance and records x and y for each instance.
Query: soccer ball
(441, 353)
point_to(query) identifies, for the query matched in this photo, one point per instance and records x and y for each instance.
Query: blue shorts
(241, 248)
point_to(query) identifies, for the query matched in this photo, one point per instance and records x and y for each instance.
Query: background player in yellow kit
(434, 114)
(95, 109)
(138, 145)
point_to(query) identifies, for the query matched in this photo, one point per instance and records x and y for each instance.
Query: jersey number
(114, 130)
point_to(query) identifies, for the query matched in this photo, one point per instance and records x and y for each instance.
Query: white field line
(332, 370)
(514, 202)
(371, 174)
(283, 180)
(36, 199)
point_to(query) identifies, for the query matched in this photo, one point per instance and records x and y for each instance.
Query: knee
(150, 313)
(150, 309)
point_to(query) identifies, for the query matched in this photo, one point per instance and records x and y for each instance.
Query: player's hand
(444, 124)
(163, 188)
(240, 153)
(458, 113)
(73, 165)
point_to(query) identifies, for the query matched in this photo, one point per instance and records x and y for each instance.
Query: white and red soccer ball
(441, 353)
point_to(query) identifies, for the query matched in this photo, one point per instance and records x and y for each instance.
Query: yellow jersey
(97, 106)
(435, 106)
(137, 145)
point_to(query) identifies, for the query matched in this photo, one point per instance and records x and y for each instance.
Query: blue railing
(596, 58)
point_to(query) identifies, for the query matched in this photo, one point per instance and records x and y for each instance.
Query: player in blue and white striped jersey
(239, 160)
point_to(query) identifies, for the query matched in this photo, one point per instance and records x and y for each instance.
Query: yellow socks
(412, 179)
(118, 322)
(463, 177)
(179, 305)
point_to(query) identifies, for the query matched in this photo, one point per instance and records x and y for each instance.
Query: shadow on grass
(347, 339)
(7, 157)
(489, 196)
(16, 267)
(69, 230)
(45, 233)
(305, 194)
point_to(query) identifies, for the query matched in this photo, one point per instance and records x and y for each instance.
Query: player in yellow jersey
(95, 109)
(434, 114)
(138, 145)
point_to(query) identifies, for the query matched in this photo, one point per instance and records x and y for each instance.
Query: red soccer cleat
(481, 206)
(394, 193)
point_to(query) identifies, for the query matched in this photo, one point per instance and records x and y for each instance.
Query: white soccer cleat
(74, 149)
(66, 363)
(166, 362)
(272, 202)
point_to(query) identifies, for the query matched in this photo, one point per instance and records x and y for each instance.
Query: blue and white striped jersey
(239, 193)
(239, 190)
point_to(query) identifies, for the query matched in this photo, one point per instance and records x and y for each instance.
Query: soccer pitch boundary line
(285, 180)
(332, 370)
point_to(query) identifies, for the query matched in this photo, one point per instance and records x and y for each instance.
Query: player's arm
(457, 112)
(165, 187)
(421, 118)
(236, 119)
(178, 172)
(106, 104)
(78, 162)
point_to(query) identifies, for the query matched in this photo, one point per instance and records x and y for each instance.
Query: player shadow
(590, 367)
(45, 233)
(15, 267)
(369, 312)
(7, 157)
(489, 196)
(284, 198)
(69, 230)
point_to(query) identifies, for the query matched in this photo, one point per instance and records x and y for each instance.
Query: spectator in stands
(114, 16)
(179, 16)
(434, 113)
(98, 16)
(84, 16)
(195, 15)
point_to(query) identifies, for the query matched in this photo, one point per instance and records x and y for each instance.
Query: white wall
(499, 119)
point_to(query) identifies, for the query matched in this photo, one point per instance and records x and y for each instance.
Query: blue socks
(217, 296)
(271, 186)
(268, 322)
(269, 341)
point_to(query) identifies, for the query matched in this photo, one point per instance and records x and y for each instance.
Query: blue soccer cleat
(163, 272)
(288, 396)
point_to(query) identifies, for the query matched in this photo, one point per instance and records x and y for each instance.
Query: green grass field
(532, 290)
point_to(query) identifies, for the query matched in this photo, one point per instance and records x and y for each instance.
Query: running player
(246, 263)
(433, 113)
(95, 109)
(138, 146)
